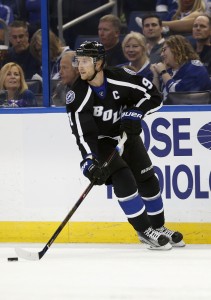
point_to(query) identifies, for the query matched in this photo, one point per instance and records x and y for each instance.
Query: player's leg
(149, 190)
(125, 189)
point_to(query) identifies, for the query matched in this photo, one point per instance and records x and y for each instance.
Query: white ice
(107, 271)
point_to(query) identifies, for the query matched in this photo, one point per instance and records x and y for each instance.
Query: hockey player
(104, 103)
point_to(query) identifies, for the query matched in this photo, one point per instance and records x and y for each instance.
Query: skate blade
(168, 246)
(180, 244)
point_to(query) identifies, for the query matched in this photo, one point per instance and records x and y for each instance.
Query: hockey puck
(12, 259)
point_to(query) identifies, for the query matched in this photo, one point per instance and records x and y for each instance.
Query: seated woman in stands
(181, 69)
(13, 82)
(135, 50)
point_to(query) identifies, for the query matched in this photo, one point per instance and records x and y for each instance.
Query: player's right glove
(92, 170)
(131, 122)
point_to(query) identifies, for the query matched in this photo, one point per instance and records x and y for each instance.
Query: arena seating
(189, 98)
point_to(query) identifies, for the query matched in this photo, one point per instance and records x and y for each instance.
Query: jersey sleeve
(79, 109)
(143, 94)
(191, 77)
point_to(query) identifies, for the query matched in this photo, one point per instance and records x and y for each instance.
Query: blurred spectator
(6, 14)
(109, 29)
(68, 75)
(20, 52)
(32, 11)
(208, 7)
(73, 9)
(181, 69)
(202, 35)
(15, 6)
(56, 49)
(152, 30)
(137, 5)
(12, 80)
(182, 20)
(168, 6)
(134, 49)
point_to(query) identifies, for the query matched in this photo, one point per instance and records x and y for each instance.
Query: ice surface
(107, 271)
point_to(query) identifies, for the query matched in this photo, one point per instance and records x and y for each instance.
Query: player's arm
(183, 25)
(143, 99)
(85, 130)
(79, 107)
(144, 96)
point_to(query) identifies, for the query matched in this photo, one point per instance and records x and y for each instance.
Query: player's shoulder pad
(129, 71)
(119, 72)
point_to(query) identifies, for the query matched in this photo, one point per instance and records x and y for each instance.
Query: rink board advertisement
(41, 179)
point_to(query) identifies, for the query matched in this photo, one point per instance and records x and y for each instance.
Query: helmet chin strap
(95, 72)
(93, 76)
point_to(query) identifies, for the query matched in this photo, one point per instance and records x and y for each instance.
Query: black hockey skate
(154, 239)
(175, 237)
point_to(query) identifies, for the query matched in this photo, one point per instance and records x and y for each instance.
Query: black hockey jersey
(95, 114)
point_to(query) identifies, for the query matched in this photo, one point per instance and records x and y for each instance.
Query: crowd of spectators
(148, 51)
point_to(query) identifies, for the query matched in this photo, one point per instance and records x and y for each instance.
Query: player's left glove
(92, 170)
(131, 122)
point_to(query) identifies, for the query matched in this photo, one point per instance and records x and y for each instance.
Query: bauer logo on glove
(131, 114)
(131, 122)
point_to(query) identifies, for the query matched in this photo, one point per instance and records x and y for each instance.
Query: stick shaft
(80, 200)
(67, 218)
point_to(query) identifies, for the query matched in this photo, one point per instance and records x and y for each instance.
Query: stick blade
(27, 254)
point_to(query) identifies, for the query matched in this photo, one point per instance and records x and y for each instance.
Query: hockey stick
(38, 255)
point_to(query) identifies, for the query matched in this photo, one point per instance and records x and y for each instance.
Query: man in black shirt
(19, 52)
(202, 35)
(104, 103)
(109, 29)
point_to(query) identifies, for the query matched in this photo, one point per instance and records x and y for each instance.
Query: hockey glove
(131, 122)
(94, 172)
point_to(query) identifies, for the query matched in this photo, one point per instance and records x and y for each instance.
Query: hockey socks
(134, 209)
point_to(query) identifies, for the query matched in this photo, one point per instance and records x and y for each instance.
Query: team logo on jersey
(129, 71)
(70, 97)
(196, 63)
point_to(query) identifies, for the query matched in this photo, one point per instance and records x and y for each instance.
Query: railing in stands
(62, 27)
(6, 33)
